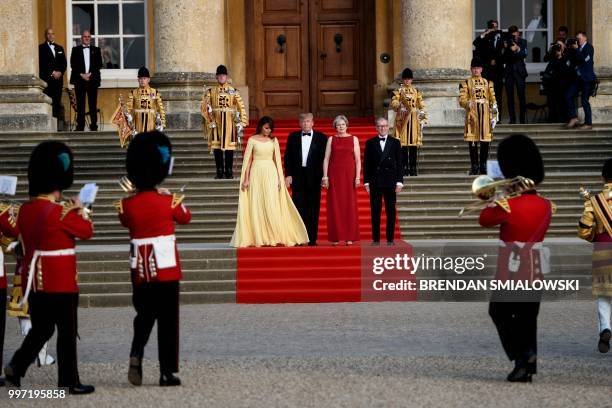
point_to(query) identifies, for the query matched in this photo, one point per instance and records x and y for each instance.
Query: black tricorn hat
(148, 159)
(518, 155)
(221, 70)
(50, 168)
(407, 73)
(143, 72)
(476, 62)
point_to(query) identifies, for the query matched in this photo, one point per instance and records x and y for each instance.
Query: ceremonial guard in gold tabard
(596, 226)
(224, 120)
(145, 105)
(477, 97)
(410, 118)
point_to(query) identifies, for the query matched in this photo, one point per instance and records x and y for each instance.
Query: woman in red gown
(341, 176)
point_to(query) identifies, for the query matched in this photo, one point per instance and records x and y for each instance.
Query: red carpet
(298, 275)
(311, 274)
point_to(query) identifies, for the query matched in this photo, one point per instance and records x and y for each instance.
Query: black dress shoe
(390, 243)
(229, 175)
(10, 378)
(135, 371)
(81, 389)
(604, 341)
(519, 374)
(219, 176)
(79, 129)
(375, 243)
(1, 381)
(169, 380)
(312, 244)
(93, 128)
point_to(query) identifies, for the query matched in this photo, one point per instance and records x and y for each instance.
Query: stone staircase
(428, 205)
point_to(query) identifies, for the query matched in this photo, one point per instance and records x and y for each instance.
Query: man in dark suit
(304, 156)
(51, 67)
(488, 48)
(382, 177)
(85, 63)
(515, 72)
(581, 56)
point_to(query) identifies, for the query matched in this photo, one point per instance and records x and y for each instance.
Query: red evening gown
(342, 221)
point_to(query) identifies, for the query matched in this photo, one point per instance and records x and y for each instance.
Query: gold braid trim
(119, 206)
(177, 200)
(503, 204)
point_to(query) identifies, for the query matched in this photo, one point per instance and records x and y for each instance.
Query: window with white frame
(532, 17)
(118, 28)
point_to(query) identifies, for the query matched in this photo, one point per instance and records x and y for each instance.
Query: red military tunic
(8, 232)
(150, 215)
(45, 225)
(525, 223)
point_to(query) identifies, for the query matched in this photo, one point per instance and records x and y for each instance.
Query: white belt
(163, 247)
(1, 263)
(224, 110)
(35, 257)
(144, 110)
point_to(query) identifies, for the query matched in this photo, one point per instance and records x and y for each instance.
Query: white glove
(403, 109)
(159, 128)
(25, 324)
(212, 125)
(209, 109)
(128, 117)
(239, 128)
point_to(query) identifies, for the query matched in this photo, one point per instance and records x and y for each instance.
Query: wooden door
(281, 60)
(339, 47)
(310, 55)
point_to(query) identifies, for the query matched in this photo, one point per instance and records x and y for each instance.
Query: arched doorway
(310, 55)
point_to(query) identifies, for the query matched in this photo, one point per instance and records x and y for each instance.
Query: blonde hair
(338, 119)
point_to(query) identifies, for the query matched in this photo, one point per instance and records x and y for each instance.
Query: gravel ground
(359, 354)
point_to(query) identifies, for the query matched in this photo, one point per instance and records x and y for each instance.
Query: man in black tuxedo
(85, 63)
(51, 67)
(382, 177)
(304, 156)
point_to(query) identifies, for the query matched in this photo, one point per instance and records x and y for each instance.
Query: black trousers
(376, 197)
(86, 89)
(224, 162)
(157, 301)
(307, 200)
(2, 322)
(48, 310)
(516, 79)
(517, 326)
(54, 91)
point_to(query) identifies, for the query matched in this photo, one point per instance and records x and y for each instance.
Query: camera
(571, 41)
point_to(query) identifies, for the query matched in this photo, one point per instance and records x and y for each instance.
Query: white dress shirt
(306, 142)
(87, 57)
(52, 48)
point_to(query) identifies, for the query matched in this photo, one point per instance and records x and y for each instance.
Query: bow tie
(51, 43)
(382, 138)
(86, 46)
(307, 134)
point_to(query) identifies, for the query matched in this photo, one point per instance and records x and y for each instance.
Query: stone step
(87, 288)
(125, 299)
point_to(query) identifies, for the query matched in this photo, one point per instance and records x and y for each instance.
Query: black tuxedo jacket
(314, 163)
(382, 169)
(77, 65)
(47, 62)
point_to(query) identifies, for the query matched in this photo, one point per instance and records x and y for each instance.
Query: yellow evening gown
(266, 214)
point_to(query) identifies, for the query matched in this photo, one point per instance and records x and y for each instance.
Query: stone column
(601, 39)
(190, 41)
(437, 46)
(23, 106)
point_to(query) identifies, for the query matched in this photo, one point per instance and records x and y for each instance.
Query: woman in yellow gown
(266, 213)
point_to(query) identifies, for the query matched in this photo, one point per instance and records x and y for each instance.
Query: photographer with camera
(488, 48)
(515, 72)
(555, 81)
(580, 54)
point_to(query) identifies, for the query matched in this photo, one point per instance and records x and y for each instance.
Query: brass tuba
(485, 188)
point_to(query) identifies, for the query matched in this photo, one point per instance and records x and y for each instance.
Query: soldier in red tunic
(47, 231)
(150, 214)
(523, 222)
(8, 233)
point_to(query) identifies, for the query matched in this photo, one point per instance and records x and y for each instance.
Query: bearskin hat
(518, 155)
(476, 62)
(606, 172)
(407, 73)
(143, 72)
(148, 159)
(50, 168)
(221, 70)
